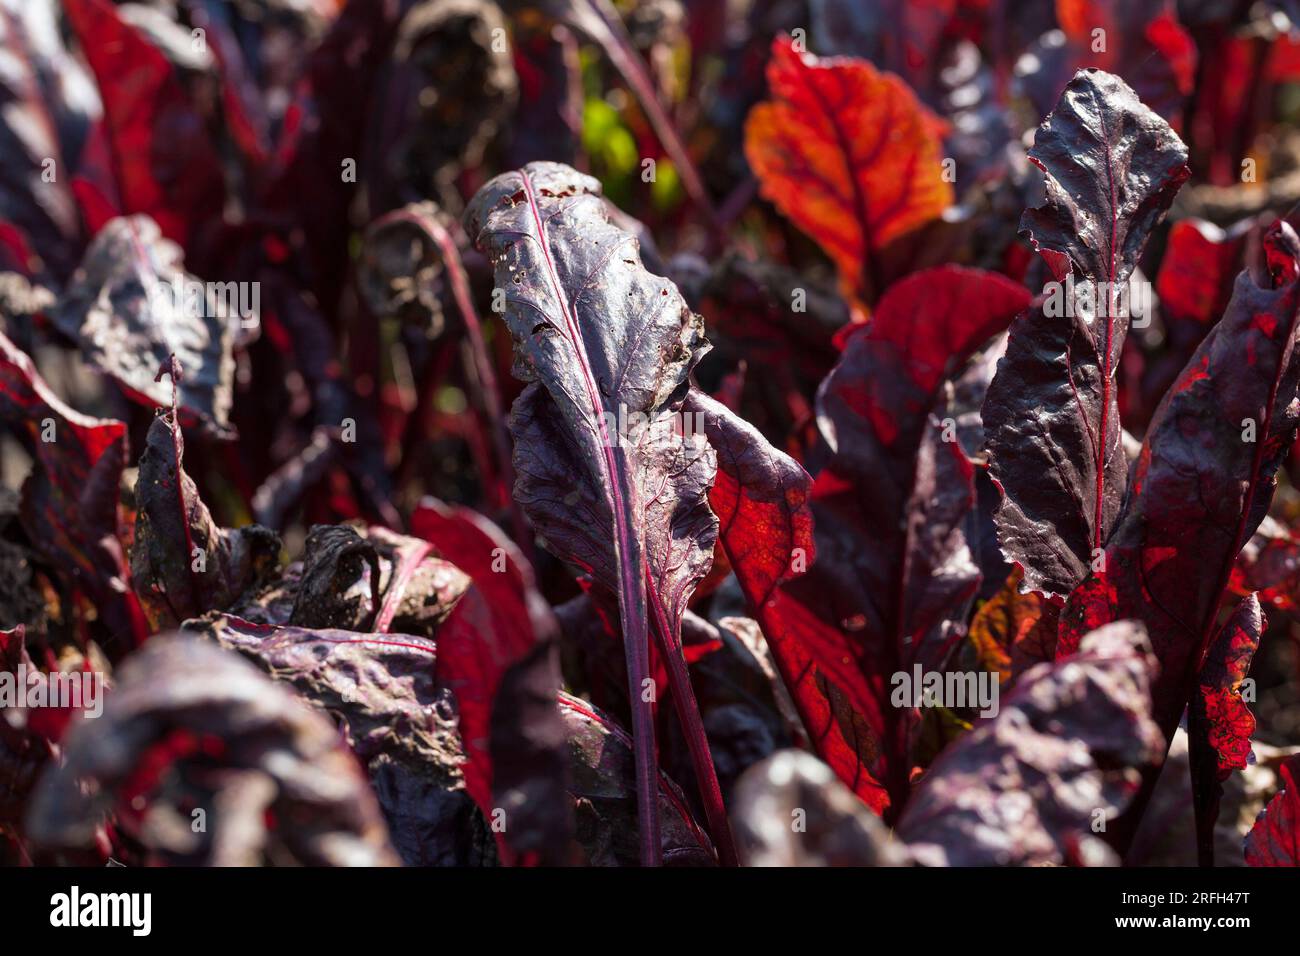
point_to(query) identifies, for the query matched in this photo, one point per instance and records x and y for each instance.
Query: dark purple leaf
(402, 726)
(285, 486)
(1051, 416)
(340, 582)
(744, 707)
(606, 805)
(1201, 486)
(601, 340)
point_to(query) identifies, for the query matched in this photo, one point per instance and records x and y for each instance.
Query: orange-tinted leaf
(849, 155)
(1012, 632)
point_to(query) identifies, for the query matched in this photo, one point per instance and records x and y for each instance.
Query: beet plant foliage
(460, 433)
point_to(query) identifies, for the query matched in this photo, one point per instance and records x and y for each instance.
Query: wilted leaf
(419, 589)
(340, 582)
(192, 727)
(1012, 631)
(378, 581)
(183, 564)
(1051, 416)
(399, 722)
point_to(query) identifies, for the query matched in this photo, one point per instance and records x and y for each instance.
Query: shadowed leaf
(497, 654)
(1202, 484)
(70, 501)
(1012, 631)
(894, 569)
(399, 723)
